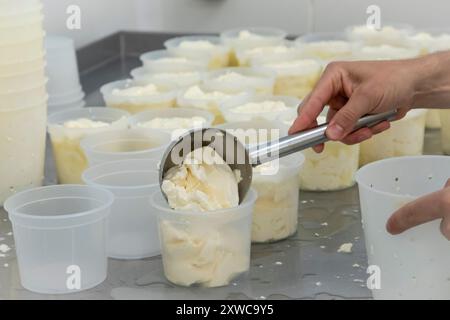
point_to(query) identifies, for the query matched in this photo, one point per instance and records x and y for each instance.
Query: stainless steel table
(306, 266)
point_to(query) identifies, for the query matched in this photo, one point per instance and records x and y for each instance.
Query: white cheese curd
(261, 107)
(174, 123)
(147, 90)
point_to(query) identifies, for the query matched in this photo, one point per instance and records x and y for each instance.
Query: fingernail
(335, 132)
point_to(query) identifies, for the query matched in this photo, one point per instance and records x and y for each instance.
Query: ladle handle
(306, 139)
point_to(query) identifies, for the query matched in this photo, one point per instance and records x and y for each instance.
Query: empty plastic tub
(21, 30)
(125, 144)
(258, 107)
(234, 80)
(67, 128)
(132, 233)
(209, 249)
(24, 50)
(60, 235)
(23, 98)
(23, 66)
(445, 130)
(22, 148)
(161, 61)
(413, 265)
(134, 98)
(14, 82)
(175, 121)
(208, 49)
(404, 138)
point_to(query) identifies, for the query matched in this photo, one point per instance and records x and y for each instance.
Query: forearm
(432, 81)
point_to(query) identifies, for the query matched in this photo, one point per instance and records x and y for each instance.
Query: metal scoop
(238, 157)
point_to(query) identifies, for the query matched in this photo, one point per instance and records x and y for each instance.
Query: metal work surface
(306, 266)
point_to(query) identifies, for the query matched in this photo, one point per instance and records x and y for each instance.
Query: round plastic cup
(259, 55)
(16, 8)
(125, 144)
(324, 45)
(216, 55)
(404, 138)
(64, 98)
(393, 34)
(15, 82)
(143, 119)
(161, 61)
(209, 249)
(207, 99)
(20, 51)
(384, 52)
(135, 104)
(70, 159)
(175, 80)
(275, 216)
(253, 37)
(414, 264)
(133, 233)
(23, 98)
(22, 16)
(52, 109)
(228, 108)
(22, 148)
(20, 32)
(23, 66)
(433, 120)
(62, 67)
(238, 79)
(256, 131)
(445, 131)
(294, 77)
(60, 235)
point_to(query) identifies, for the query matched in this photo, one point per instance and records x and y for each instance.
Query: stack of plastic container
(63, 87)
(23, 96)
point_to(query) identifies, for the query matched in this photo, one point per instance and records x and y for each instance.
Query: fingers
(312, 106)
(445, 227)
(345, 119)
(366, 133)
(422, 210)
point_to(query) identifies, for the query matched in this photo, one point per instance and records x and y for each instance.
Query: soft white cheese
(248, 35)
(196, 44)
(261, 107)
(297, 67)
(203, 182)
(234, 77)
(195, 92)
(84, 123)
(174, 123)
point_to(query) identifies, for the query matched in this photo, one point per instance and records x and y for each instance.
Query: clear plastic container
(414, 264)
(208, 49)
(179, 79)
(433, 120)
(404, 138)
(19, 32)
(253, 37)
(22, 148)
(239, 79)
(294, 77)
(22, 66)
(259, 55)
(132, 233)
(18, 14)
(125, 144)
(20, 51)
(332, 169)
(160, 119)
(52, 109)
(204, 98)
(232, 114)
(70, 159)
(393, 34)
(445, 131)
(60, 235)
(23, 98)
(68, 97)
(325, 46)
(209, 249)
(160, 61)
(11, 9)
(62, 66)
(384, 52)
(166, 98)
(16, 82)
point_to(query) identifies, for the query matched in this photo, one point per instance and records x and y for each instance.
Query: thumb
(344, 121)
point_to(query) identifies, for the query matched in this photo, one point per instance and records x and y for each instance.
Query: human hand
(355, 89)
(427, 208)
